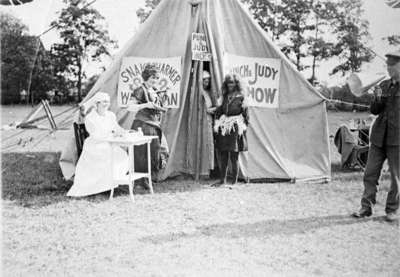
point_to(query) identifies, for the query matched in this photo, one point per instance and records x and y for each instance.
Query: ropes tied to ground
(25, 142)
(19, 141)
(12, 136)
(347, 103)
(331, 100)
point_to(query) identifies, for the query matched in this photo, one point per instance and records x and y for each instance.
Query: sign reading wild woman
(260, 78)
(130, 77)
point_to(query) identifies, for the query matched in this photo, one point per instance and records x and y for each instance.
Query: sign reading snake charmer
(259, 76)
(130, 77)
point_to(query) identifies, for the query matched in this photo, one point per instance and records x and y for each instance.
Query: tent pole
(195, 66)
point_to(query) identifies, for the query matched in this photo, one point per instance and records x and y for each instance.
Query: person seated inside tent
(148, 107)
(207, 93)
(231, 123)
(94, 172)
(210, 108)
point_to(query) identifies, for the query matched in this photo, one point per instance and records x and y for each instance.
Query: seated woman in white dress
(93, 173)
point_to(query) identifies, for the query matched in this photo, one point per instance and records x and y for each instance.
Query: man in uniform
(385, 141)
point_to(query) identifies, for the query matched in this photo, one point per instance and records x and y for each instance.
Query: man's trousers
(376, 157)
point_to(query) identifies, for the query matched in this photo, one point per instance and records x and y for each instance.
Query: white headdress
(101, 96)
(98, 97)
(206, 74)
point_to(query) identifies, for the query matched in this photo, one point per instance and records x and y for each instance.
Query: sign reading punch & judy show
(259, 76)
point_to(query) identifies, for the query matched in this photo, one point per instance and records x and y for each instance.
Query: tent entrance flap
(200, 145)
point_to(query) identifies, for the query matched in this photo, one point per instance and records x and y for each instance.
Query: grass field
(187, 228)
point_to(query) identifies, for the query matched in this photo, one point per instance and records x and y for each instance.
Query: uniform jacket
(385, 130)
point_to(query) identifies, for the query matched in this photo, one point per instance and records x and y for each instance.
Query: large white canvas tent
(288, 137)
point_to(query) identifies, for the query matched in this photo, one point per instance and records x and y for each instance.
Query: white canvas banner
(130, 77)
(259, 76)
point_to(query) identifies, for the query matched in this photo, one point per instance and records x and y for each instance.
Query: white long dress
(93, 172)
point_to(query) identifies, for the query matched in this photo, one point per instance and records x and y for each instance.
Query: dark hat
(394, 54)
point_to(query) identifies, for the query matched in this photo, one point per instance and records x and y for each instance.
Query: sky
(122, 24)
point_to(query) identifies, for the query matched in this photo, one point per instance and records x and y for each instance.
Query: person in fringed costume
(147, 102)
(231, 123)
(93, 173)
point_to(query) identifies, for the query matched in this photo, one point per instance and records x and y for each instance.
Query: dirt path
(250, 230)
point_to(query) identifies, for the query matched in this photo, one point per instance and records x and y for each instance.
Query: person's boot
(235, 180)
(142, 183)
(223, 173)
(392, 216)
(221, 182)
(363, 212)
(235, 173)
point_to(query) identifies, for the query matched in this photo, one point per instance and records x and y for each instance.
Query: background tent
(287, 142)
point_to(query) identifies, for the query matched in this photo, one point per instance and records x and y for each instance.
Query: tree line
(59, 72)
(312, 30)
(306, 31)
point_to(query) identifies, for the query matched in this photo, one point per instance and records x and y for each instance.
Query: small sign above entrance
(200, 51)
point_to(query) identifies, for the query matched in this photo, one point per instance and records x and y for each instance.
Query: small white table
(130, 140)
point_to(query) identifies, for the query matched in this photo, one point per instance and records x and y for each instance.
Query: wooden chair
(80, 135)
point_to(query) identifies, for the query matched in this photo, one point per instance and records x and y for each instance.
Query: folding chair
(362, 147)
(353, 150)
(361, 153)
